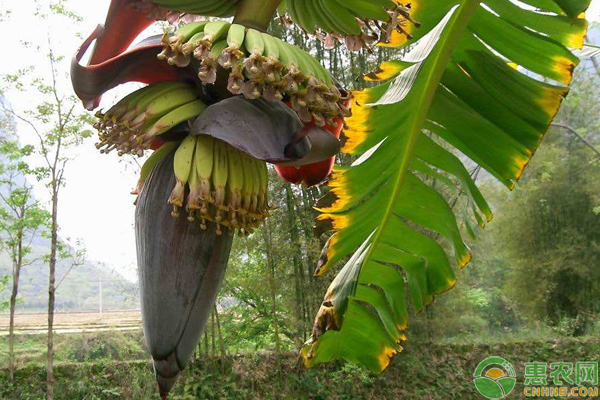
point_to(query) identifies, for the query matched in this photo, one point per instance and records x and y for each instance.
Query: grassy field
(30, 350)
(73, 322)
(114, 365)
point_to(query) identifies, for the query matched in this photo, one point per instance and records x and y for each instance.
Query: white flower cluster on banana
(356, 22)
(224, 185)
(259, 65)
(133, 123)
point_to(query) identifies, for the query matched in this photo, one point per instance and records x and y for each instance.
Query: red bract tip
(124, 22)
(110, 62)
(310, 174)
(315, 173)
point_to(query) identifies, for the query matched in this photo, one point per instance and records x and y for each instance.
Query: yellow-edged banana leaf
(485, 78)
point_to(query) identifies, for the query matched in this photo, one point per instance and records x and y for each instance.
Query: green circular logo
(495, 378)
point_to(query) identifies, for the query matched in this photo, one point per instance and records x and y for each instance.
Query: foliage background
(531, 291)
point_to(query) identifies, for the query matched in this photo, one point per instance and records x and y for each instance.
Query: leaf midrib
(441, 57)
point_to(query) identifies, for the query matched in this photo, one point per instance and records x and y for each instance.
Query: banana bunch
(133, 123)
(357, 22)
(259, 65)
(208, 8)
(223, 185)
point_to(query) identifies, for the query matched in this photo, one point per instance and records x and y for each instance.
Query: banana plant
(480, 84)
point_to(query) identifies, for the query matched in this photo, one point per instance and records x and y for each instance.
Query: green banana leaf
(484, 78)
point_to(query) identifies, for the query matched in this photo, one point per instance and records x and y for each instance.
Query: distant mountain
(80, 290)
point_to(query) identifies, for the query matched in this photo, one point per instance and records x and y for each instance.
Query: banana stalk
(181, 267)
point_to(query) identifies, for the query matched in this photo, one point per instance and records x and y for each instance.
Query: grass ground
(87, 370)
(30, 350)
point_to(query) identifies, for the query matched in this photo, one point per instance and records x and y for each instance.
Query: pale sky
(95, 206)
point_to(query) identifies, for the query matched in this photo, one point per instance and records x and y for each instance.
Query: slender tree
(21, 219)
(58, 124)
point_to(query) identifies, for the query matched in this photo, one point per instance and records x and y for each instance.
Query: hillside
(79, 290)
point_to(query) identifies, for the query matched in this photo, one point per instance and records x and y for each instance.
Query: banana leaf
(480, 86)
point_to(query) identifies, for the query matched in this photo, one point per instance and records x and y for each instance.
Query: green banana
(166, 103)
(213, 31)
(111, 117)
(271, 49)
(303, 15)
(220, 176)
(154, 92)
(262, 65)
(247, 189)
(216, 29)
(173, 45)
(235, 185)
(344, 22)
(320, 16)
(193, 204)
(174, 117)
(254, 64)
(235, 36)
(182, 165)
(138, 112)
(286, 57)
(358, 23)
(224, 185)
(151, 162)
(208, 67)
(188, 47)
(232, 54)
(187, 31)
(254, 43)
(212, 8)
(204, 167)
(273, 69)
(256, 189)
(294, 78)
(263, 200)
(368, 9)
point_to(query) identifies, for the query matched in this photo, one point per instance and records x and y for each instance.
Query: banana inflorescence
(133, 123)
(223, 185)
(259, 65)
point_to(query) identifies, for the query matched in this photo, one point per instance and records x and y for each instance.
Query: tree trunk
(212, 336)
(11, 328)
(221, 343)
(206, 347)
(17, 264)
(301, 309)
(51, 293)
(271, 267)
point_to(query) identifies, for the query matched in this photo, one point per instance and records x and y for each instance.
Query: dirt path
(36, 323)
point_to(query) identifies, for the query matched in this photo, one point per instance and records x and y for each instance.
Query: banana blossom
(213, 114)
